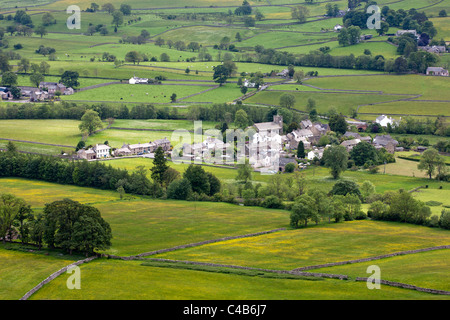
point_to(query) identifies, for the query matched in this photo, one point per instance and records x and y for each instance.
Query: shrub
(272, 202)
(290, 167)
(179, 189)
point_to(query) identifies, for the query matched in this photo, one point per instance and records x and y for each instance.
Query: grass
(316, 245)
(22, 270)
(408, 108)
(136, 93)
(431, 88)
(161, 124)
(343, 102)
(425, 269)
(63, 132)
(131, 280)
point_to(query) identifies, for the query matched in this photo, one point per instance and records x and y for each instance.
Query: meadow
(132, 280)
(324, 243)
(425, 269)
(136, 93)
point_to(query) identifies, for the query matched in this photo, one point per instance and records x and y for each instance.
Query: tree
(44, 67)
(221, 74)
(173, 97)
(241, 119)
(249, 22)
(179, 189)
(336, 158)
(198, 179)
(298, 76)
(367, 189)
(428, 161)
(108, 7)
(301, 150)
(287, 100)
(41, 31)
(345, 187)
(364, 152)
(442, 13)
(117, 18)
(10, 206)
(36, 79)
(133, 56)
(159, 166)
(90, 122)
(244, 172)
(337, 123)
(9, 79)
(444, 220)
(4, 63)
(311, 105)
(71, 226)
(70, 79)
(164, 57)
(299, 13)
(48, 19)
(125, 9)
(303, 210)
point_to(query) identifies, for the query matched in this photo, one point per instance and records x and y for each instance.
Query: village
(267, 148)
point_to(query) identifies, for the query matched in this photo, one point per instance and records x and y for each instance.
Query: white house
(385, 120)
(136, 80)
(249, 84)
(101, 151)
(337, 27)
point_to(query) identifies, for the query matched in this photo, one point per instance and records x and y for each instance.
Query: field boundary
(190, 245)
(371, 258)
(407, 286)
(55, 275)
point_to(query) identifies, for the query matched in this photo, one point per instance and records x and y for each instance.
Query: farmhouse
(138, 148)
(5, 93)
(434, 49)
(385, 120)
(385, 141)
(315, 153)
(437, 71)
(136, 80)
(249, 84)
(337, 28)
(349, 144)
(402, 32)
(270, 128)
(39, 96)
(101, 151)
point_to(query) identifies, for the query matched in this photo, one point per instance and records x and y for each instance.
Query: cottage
(284, 73)
(437, 71)
(434, 49)
(385, 141)
(338, 27)
(38, 96)
(124, 152)
(163, 143)
(349, 144)
(86, 154)
(316, 153)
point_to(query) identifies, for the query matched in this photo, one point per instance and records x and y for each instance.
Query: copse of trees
(64, 224)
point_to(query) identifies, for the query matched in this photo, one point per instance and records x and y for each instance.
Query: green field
(63, 132)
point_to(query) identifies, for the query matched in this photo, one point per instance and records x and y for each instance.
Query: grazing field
(408, 108)
(21, 271)
(131, 280)
(342, 101)
(116, 138)
(430, 88)
(320, 244)
(64, 132)
(136, 93)
(424, 269)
